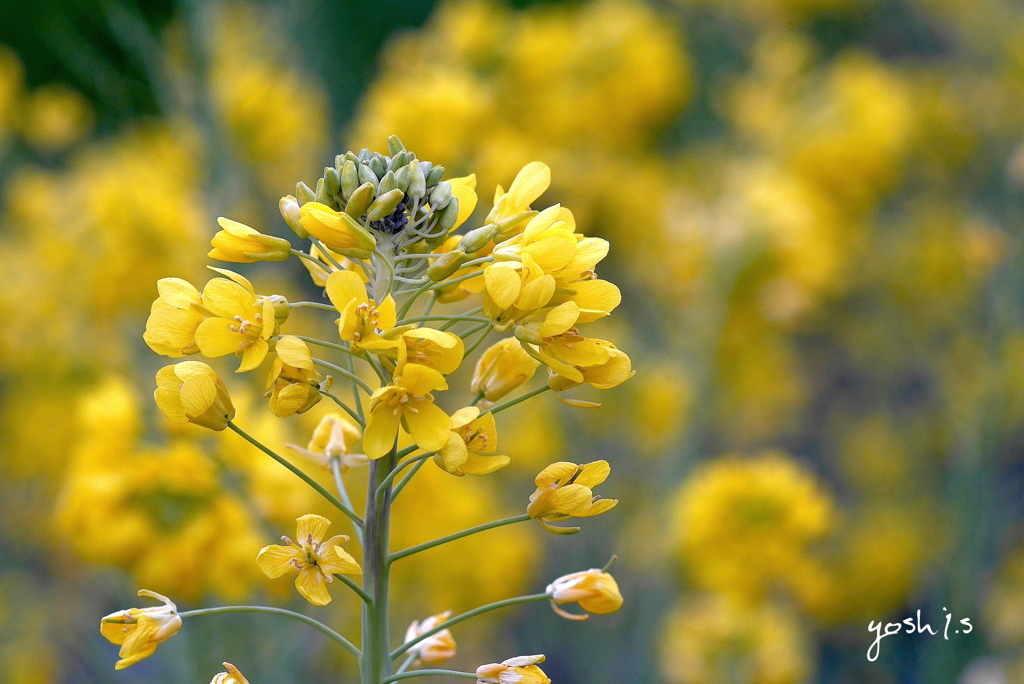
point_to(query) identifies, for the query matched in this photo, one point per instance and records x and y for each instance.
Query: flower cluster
(382, 236)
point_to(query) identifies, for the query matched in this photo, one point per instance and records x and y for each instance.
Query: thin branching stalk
(348, 645)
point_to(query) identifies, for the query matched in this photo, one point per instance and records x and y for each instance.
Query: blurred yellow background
(815, 208)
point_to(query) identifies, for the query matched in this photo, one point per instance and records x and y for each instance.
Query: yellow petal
(467, 202)
(465, 416)
(344, 287)
(530, 183)
(197, 394)
(560, 319)
(598, 507)
(334, 559)
(294, 352)
(179, 293)
(388, 315)
(503, 284)
(227, 299)
(312, 585)
(594, 474)
(253, 355)
(215, 337)
(311, 524)
(429, 425)
(276, 560)
(169, 403)
(381, 430)
(562, 470)
(453, 454)
(420, 380)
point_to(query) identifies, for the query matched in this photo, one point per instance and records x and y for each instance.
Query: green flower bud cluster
(398, 197)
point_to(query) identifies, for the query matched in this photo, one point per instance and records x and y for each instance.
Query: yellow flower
(559, 343)
(514, 289)
(241, 244)
(612, 373)
(436, 648)
(293, 383)
(232, 676)
(564, 491)
(138, 631)
(472, 437)
(240, 322)
(407, 401)
(596, 591)
(435, 349)
(361, 317)
(191, 392)
(318, 272)
(504, 367)
(518, 670)
(529, 184)
(313, 558)
(173, 319)
(337, 230)
(333, 437)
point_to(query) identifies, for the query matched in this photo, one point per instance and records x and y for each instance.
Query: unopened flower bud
(303, 193)
(289, 207)
(394, 145)
(477, 239)
(321, 195)
(349, 178)
(366, 175)
(440, 195)
(449, 216)
(399, 160)
(384, 205)
(513, 225)
(360, 200)
(332, 180)
(446, 265)
(337, 230)
(417, 180)
(387, 183)
(434, 176)
(281, 308)
(378, 165)
(403, 176)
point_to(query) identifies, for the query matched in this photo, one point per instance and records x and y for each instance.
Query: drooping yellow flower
(191, 392)
(471, 445)
(294, 382)
(436, 648)
(595, 590)
(362, 320)
(138, 631)
(564, 491)
(333, 437)
(319, 272)
(238, 243)
(232, 676)
(559, 343)
(518, 670)
(240, 322)
(407, 401)
(504, 367)
(173, 319)
(337, 230)
(314, 559)
(612, 373)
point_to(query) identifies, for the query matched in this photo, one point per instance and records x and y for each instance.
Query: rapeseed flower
(332, 438)
(241, 244)
(471, 445)
(232, 676)
(337, 230)
(362, 319)
(518, 670)
(503, 367)
(239, 323)
(407, 401)
(293, 382)
(564, 491)
(138, 631)
(436, 648)
(596, 591)
(191, 392)
(314, 559)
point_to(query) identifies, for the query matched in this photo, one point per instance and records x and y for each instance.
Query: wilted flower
(333, 437)
(138, 631)
(191, 392)
(313, 558)
(518, 670)
(232, 676)
(595, 590)
(436, 648)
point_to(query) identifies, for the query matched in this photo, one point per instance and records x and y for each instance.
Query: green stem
(407, 304)
(376, 368)
(351, 363)
(311, 305)
(341, 371)
(303, 476)
(403, 464)
(309, 257)
(408, 477)
(430, 303)
(352, 414)
(427, 673)
(379, 295)
(405, 666)
(465, 616)
(471, 312)
(339, 482)
(326, 252)
(329, 345)
(398, 555)
(476, 343)
(376, 665)
(476, 399)
(517, 400)
(354, 587)
(349, 646)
